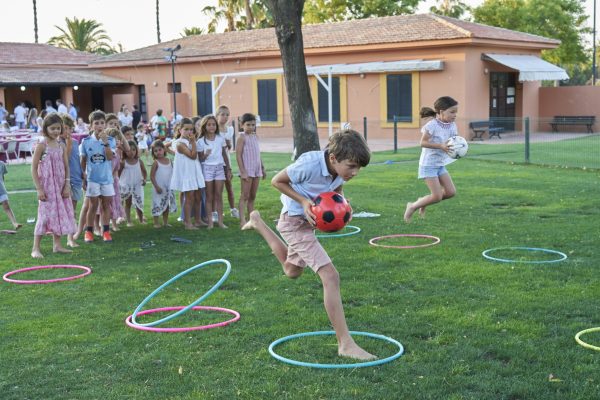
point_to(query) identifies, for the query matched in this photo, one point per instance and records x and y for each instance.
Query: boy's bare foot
(17, 226)
(167, 225)
(130, 224)
(200, 224)
(354, 351)
(115, 228)
(36, 254)
(210, 226)
(191, 227)
(158, 226)
(251, 224)
(72, 243)
(97, 232)
(76, 235)
(408, 212)
(61, 250)
(422, 212)
(222, 225)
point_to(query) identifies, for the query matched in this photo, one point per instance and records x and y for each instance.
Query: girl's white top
(440, 132)
(216, 149)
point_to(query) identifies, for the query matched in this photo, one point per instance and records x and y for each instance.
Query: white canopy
(531, 68)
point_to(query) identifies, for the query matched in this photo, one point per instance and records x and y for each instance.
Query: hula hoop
(374, 241)
(173, 279)
(333, 235)
(562, 255)
(353, 365)
(236, 316)
(41, 281)
(584, 344)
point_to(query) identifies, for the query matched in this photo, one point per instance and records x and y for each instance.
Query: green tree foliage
(450, 8)
(194, 30)
(83, 35)
(558, 19)
(317, 11)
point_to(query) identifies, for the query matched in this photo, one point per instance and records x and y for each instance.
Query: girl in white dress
(132, 178)
(187, 173)
(163, 199)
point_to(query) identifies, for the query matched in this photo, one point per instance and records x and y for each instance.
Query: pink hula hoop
(374, 241)
(40, 281)
(184, 329)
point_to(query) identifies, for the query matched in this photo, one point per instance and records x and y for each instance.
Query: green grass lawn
(472, 328)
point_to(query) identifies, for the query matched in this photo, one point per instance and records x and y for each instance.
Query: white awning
(531, 68)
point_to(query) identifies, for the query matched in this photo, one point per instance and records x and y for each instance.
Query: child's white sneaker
(234, 212)
(215, 216)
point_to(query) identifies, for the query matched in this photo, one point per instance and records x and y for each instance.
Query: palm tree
(83, 35)
(450, 8)
(226, 9)
(35, 26)
(157, 21)
(194, 30)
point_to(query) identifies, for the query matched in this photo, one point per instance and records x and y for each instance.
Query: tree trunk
(249, 16)
(35, 24)
(287, 15)
(158, 20)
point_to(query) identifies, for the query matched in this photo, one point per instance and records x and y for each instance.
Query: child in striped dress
(250, 165)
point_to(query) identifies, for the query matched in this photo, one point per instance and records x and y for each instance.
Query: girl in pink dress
(50, 172)
(250, 165)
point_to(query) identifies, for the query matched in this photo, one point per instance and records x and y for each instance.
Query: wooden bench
(481, 127)
(562, 120)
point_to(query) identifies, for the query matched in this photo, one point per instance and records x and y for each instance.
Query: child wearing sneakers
(97, 152)
(313, 173)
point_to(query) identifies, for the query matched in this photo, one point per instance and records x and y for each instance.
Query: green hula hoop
(173, 279)
(355, 230)
(329, 366)
(584, 344)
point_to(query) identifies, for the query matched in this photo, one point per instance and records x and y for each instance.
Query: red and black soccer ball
(332, 212)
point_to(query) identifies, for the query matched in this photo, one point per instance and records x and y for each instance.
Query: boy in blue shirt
(97, 151)
(313, 173)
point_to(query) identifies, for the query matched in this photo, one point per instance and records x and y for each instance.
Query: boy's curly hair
(347, 144)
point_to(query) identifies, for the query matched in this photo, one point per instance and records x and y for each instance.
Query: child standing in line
(4, 197)
(187, 172)
(132, 175)
(250, 165)
(117, 212)
(315, 172)
(142, 140)
(212, 152)
(75, 171)
(97, 152)
(434, 157)
(163, 199)
(227, 132)
(50, 172)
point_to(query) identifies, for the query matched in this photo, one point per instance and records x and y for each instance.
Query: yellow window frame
(415, 102)
(314, 88)
(201, 79)
(279, 84)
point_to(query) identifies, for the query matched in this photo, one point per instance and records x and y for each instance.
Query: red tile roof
(58, 77)
(384, 30)
(41, 54)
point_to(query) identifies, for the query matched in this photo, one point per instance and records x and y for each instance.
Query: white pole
(330, 101)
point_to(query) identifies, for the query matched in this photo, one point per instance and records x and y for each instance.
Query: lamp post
(594, 51)
(172, 57)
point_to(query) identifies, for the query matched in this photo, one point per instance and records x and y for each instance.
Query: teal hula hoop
(334, 235)
(330, 366)
(562, 255)
(173, 279)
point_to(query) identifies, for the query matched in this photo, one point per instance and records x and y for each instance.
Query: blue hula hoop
(173, 279)
(353, 365)
(562, 255)
(333, 235)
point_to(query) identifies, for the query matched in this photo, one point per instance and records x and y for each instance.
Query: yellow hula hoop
(584, 344)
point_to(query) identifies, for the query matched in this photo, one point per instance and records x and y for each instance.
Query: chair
(27, 148)
(11, 148)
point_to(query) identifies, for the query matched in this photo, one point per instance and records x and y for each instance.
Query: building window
(177, 87)
(399, 97)
(268, 99)
(143, 105)
(203, 98)
(323, 102)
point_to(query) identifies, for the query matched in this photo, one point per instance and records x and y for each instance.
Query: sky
(132, 23)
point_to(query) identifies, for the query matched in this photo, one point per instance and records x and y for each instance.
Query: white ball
(458, 146)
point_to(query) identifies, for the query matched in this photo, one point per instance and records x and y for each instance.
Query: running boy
(313, 173)
(97, 151)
